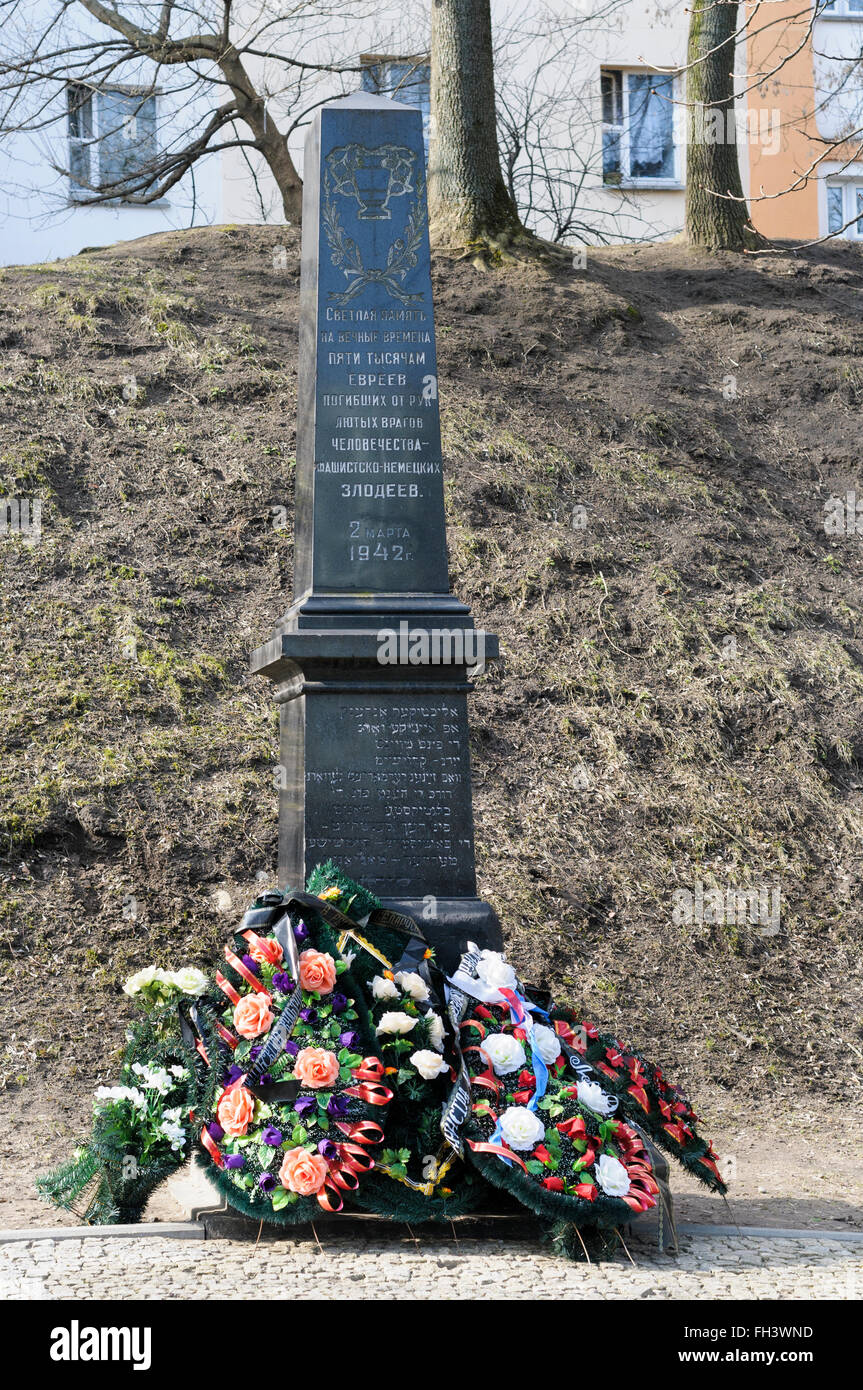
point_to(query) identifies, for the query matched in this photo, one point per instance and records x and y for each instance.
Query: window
(840, 7)
(845, 205)
(638, 144)
(403, 79)
(112, 136)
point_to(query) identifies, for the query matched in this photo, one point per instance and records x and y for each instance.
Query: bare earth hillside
(638, 458)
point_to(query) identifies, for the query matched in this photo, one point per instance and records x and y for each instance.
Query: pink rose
(302, 1172)
(316, 1067)
(317, 971)
(235, 1110)
(252, 1016)
(266, 951)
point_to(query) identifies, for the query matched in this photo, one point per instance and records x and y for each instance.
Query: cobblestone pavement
(711, 1267)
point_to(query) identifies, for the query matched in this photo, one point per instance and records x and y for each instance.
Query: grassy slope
(681, 695)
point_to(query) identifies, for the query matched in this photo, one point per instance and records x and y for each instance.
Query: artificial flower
(505, 1052)
(436, 1031)
(190, 981)
(305, 1105)
(234, 1160)
(612, 1176)
(317, 971)
(302, 1172)
(496, 972)
(410, 983)
(272, 1136)
(553, 1183)
(428, 1064)
(337, 1107)
(593, 1096)
(383, 988)
(520, 1128)
(235, 1110)
(151, 977)
(252, 1016)
(339, 1003)
(316, 1067)
(283, 982)
(546, 1042)
(266, 951)
(396, 1023)
(266, 1182)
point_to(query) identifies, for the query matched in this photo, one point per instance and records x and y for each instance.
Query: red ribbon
(212, 1148)
(227, 988)
(236, 964)
(473, 1023)
(371, 1090)
(361, 1131)
(485, 1078)
(500, 1149)
(227, 1036)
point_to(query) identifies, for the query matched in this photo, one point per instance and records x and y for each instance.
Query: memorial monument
(372, 660)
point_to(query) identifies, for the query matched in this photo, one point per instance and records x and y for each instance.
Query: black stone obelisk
(376, 771)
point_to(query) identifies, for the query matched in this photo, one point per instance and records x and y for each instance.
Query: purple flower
(349, 1038)
(283, 983)
(292, 1047)
(309, 1016)
(272, 1136)
(339, 1003)
(328, 1150)
(234, 1160)
(215, 1131)
(254, 1052)
(337, 1106)
(301, 931)
(234, 1074)
(251, 964)
(265, 1080)
(305, 1105)
(267, 1182)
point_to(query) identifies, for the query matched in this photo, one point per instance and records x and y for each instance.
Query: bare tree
(243, 85)
(711, 164)
(470, 207)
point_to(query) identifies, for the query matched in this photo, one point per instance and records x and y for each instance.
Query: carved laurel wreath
(401, 256)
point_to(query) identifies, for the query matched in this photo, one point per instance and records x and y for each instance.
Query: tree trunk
(711, 153)
(468, 199)
(269, 139)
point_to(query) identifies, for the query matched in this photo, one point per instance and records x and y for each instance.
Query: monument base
(449, 923)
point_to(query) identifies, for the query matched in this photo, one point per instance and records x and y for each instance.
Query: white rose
(594, 1097)
(505, 1052)
(382, 988)
(436, 1031)
(520, 1128)
(396, 1023)
(413, 984)
(546, 1042)
(149, 976)
(494, 971)
(612, 1176)
(428, 1064)
(190, 980)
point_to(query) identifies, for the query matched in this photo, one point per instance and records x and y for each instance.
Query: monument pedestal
(375, 770)
(375, 774)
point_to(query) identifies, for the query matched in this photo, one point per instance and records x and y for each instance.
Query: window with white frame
(638, 128)
(403, 79)
(840, 7)
(845, 209)
(112, 137)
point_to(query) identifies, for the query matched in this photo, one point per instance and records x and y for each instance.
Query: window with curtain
(845, 205)
(111, 136)
(403, 79)
(638, 128)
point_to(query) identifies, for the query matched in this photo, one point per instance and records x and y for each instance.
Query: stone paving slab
(426, 1268)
